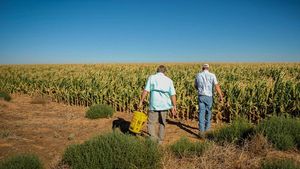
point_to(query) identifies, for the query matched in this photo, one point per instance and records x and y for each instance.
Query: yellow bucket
(137, 122)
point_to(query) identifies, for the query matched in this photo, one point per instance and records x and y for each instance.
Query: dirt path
(47, 129)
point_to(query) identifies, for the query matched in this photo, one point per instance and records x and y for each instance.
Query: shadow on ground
(182, 126)
(121, 124)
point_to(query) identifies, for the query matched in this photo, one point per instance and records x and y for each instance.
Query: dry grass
(57, 163)
(223, 157)
(276, 154)
(258, 145)
(3, 103)
(229, 156)
(7, 105)
(171, 161)
(40, 100)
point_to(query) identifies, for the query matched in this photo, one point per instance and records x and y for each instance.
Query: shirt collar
(205, 70)
(159, 73)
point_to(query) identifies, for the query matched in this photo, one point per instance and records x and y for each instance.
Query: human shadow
(182, 126)
(121, 124)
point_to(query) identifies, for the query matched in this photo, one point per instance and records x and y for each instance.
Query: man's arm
(172, 95)
(196, 83)
(174, 110)
(219, 91)
(144, 94)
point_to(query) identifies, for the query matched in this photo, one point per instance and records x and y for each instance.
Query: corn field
(254, 90)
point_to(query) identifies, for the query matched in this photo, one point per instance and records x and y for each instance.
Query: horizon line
(158, 62)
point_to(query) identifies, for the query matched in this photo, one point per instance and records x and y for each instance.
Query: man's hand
(218, 88)
(144, 94)
(174, 111)
(221, 98)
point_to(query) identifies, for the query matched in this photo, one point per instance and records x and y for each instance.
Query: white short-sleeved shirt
(161, 88)
(205, 82)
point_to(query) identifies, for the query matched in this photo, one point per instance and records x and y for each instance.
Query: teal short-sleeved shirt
(161, 88)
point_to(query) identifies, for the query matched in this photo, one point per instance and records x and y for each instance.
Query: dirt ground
(45, 128)
(27, 126)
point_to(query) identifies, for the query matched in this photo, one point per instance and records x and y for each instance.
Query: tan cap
(205, 65)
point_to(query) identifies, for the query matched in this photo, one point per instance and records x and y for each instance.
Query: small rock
(56, 135)
(71, 136)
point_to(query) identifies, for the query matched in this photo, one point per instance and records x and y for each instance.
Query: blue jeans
(205, 105)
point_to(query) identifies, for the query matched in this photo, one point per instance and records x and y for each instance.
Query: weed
(99, 111)
(185, 148)
(237, 132)
(280, 164)
(114, 150)
(283, 132)
(4, 133)
(24, 161)
(5, 96)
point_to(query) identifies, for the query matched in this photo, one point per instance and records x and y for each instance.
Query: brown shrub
(40, 100)
(258, 145)
(217, 157)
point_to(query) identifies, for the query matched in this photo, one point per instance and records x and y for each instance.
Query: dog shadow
(121, 124)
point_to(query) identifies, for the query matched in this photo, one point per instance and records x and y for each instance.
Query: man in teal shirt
(162, 99)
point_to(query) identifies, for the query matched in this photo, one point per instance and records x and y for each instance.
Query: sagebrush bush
(283, 141)
(114, 150)
(185, 148)
(283, 132)
(280, 164)
(4, 95)
(99, 111)
(239, 130)
(22, 161)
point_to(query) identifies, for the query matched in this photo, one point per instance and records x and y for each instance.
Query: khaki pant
(153, 118)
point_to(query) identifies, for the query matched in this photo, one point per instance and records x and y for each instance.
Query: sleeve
(215, 80)
(172, 89)
(147, 87)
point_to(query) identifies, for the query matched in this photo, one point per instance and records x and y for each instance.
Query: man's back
(160, 82)
(160, 88)
(205, 82)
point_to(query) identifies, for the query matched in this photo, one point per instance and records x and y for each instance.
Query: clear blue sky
(71, 31)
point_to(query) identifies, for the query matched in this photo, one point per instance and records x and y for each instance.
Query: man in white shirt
(162, 99)
(205, 82)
